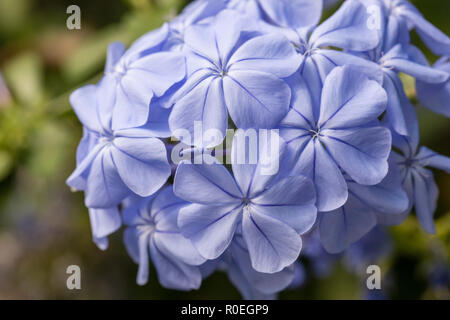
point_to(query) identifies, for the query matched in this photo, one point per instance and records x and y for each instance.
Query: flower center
(106, 139)
(315, 133)
(246, 201)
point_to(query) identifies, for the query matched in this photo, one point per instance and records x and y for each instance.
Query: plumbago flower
(418, 181)
(273, 212)
(112, 164)
(230, 73)
(152, 229)
(436, 96)
(346, 135)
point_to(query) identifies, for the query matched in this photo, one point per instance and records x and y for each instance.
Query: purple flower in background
(152, 230)
(436, 96)
(346, 225)
(230, 73)
(112, 164)
(346, 135)
(418, 181)
(403, 16)
(5, 96)
(273, 212)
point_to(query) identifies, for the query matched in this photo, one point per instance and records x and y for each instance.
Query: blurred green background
(44, 227)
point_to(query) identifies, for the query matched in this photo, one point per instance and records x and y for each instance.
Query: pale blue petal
(210, 228)
(346, 29)
(271, 53)
(206, 183)
(272, 244)
(103, 223)
(207, 108)
(173, 274)
(316, 163)
(350, 99)
(429, 158)
(256, 99)
(293, 14)
(346, 225)
(141, 163)
(362, 153)
(425, 198)
(104, 188)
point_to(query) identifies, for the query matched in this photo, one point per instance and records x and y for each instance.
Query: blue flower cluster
(330, 94)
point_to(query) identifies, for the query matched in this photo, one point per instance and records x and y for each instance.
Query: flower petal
(429, 158)
(84, 103)
(206, 107)
(175, 245)
(206, 184)
(346, 225)
(256, 99)
(436, 40)
(272, 54)
(103, 223)
(425, 198)
(272, 244)
(316, 163)
(293, 14)
(141, 163)
(362, 152)
(104, 187)
(256, 159)
(347, 29)
(173, 274)
(247, 279)
(210, 228)
(350, 99)
(291, 201)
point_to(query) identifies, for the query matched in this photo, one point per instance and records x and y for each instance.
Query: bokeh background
(44, 227)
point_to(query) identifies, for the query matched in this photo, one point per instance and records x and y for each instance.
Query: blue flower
(346, 225)
(152, 230)
(346, 135)
(112, 164)
(418, 181)
(283, 13)
(273, 210)
(230, 73)
(131, 81)
(436, 96)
